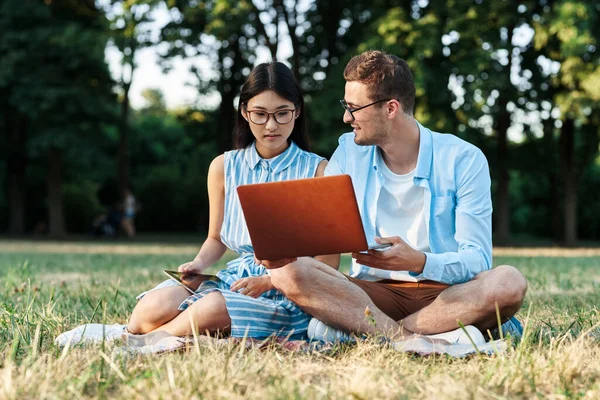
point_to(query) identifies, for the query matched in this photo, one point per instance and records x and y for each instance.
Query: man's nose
(347, 118)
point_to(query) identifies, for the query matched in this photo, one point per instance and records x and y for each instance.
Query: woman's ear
(298, 110)
(244, 112)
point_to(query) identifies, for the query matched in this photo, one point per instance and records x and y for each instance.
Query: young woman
(271, 145)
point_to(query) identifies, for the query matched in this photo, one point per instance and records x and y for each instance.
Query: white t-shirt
(400, 213)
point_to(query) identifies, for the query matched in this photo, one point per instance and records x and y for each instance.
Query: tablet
(189, 281)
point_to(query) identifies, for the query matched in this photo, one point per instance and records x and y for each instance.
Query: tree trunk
(16, 172)
(502, 124)
(56, 221)
(228, 89)
(567, 146)
(123, 150)
(261, 29)
(330, 39)
(503, 194)
(290, 21)
(16, 193)
(552, 203)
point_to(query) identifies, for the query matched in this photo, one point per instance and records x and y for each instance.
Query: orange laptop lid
(303, 217)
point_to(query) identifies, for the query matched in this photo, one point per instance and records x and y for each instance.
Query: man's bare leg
(472, 303)
(330, 297)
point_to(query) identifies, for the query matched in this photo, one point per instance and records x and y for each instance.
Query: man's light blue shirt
(457, 204)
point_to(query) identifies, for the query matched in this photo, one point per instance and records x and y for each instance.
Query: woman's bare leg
(209, 314)
(156, 308)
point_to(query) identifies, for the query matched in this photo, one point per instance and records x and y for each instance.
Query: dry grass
(32, 246)
(43, 294)
(61, 247)
(563, 369)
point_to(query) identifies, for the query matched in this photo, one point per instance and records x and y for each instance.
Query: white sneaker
(461, 336)
(318, 330)
(91, 333)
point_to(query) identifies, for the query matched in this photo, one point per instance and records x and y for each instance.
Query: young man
(425, 193)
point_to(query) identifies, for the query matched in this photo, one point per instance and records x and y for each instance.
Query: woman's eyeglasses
(260, 117)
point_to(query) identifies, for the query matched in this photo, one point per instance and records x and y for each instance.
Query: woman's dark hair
(277, 77)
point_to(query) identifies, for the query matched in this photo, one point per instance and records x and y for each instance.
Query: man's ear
(394, 108)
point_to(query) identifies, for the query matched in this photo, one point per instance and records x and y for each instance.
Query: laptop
(303, 217)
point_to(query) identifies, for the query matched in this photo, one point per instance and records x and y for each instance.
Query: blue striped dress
(271, 313)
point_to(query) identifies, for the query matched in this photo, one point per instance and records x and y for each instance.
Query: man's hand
(274, 264)
(399, 257)
(253, 286)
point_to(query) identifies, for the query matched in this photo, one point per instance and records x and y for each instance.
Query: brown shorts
(400, 299)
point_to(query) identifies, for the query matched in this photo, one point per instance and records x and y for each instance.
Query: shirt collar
(277, 164)
(251, 156)
(424, 159)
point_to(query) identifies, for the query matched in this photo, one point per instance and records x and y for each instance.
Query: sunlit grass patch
(43, 294)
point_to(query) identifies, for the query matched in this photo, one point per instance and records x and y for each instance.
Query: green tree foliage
(131, 31)
(170, 155)
(474, 57)
(55, 93)
(224, 32)
(331, 34)
(567, 36)
(519, 79)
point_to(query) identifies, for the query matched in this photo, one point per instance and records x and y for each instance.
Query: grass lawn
(43, 293)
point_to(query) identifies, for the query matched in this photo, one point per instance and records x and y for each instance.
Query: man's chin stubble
(371, 141)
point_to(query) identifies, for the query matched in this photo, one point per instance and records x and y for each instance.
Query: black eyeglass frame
(351, 111)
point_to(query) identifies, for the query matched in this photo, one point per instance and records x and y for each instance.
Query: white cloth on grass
(91, 333)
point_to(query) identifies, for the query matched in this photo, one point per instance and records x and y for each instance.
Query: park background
(97, 95)
(519, 79)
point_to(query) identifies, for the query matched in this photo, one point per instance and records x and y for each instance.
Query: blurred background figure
(129, 208)
(109, 222)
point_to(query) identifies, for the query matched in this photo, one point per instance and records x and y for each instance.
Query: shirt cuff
(434, 267)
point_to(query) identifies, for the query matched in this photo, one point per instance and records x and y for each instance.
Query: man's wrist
(420, 260)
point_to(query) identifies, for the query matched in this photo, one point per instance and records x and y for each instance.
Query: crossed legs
(157, 311)
(329, 296)
(473, 302)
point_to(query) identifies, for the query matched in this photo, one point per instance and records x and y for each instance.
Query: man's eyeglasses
(260, 117)
(351, 111)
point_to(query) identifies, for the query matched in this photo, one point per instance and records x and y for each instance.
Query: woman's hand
(253, 286)
(192, 267)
